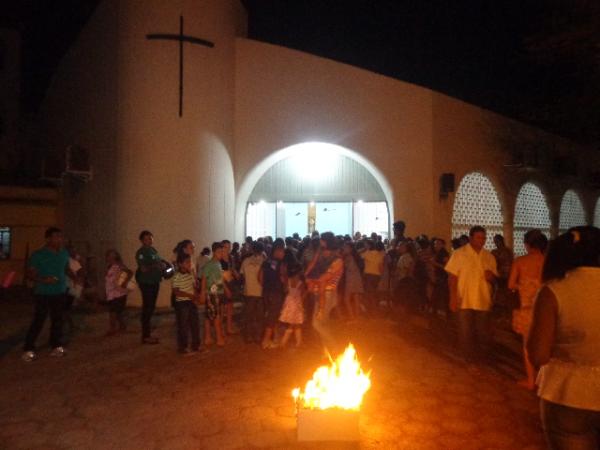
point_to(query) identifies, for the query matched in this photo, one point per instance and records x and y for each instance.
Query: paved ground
(113, 393)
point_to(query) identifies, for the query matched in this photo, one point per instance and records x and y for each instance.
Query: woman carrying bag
(118, 282)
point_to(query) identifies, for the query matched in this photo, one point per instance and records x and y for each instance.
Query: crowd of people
(284, 285)
(290, 286)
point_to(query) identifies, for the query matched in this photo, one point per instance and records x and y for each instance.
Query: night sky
(534, 60)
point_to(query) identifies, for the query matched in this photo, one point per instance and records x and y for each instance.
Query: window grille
(531, 211)
(476, 203)
(572, 213)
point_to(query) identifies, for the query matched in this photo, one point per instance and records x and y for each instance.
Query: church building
(195, 131)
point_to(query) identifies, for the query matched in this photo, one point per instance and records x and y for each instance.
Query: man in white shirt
(253, 298)
(471, 272)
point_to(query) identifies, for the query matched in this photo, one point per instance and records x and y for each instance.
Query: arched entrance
(313, 185)
(477, 203)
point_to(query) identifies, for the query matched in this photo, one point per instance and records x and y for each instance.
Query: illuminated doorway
(282, 219)
(317, 186)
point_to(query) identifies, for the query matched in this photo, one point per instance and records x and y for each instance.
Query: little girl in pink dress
(292, 312)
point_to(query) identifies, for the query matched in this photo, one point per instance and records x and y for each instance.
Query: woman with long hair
(564, 341)
(526, 279)
(185, 247)
(353, 283)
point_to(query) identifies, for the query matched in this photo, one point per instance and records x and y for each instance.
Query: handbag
(131, 284)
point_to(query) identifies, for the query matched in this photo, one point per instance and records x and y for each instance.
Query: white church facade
(246, 137)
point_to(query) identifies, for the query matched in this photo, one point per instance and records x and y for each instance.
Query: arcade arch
(477, 203)
(531, 211)
(572, 213)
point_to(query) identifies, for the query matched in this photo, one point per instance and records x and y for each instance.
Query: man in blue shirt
(47, 268)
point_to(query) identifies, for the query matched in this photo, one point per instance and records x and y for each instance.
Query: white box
(331, 424)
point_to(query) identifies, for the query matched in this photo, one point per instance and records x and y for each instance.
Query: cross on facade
(181, 38)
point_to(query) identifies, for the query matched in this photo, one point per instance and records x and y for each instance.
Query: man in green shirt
(148, 277)
(47, 268)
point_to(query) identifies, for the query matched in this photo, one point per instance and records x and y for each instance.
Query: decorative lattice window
(572, 213)
(531, 211)
(597, 214)
(476, 203)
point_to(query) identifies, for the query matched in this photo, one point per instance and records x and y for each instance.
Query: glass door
(335, 217)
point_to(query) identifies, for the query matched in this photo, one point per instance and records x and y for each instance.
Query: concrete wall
(467, 139)
(175, 174)
(285, 97)
(81, 108)
(410, 134)
(461, 145)
(116, 93)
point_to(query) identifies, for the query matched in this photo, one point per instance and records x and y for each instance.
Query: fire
(342, 384)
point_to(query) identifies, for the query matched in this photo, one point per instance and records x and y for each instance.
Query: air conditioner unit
(78, 163)
(74, 162)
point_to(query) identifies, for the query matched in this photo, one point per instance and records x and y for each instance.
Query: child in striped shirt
(186, 312)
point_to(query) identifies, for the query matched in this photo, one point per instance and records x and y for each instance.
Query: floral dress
(293, 310)
(111, 282)
(353, 283)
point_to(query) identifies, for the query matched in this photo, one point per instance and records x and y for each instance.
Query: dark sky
(47, 27)
(538, 61)
(535, 60)
(448, 45)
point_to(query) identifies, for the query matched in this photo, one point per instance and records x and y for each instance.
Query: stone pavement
(113, 393)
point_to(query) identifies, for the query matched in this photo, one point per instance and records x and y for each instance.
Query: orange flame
(342, 384)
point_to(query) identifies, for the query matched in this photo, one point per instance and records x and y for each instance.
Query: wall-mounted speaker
(446, 183)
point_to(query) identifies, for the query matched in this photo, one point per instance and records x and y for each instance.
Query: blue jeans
(45, 305)
(149, 296)
(254, 315)
(569, 428)
(186, 315)
(273, 301)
